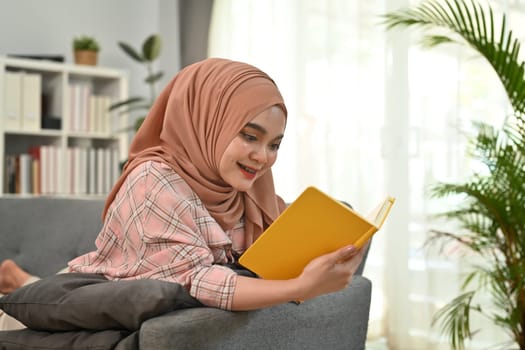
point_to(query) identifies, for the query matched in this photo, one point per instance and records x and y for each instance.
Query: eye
(248, 137)
(275, 146)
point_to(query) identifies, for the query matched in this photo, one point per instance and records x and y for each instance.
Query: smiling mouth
(248, 172)
(247, 169)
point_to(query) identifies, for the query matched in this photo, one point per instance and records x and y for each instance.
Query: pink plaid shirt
(158, 228)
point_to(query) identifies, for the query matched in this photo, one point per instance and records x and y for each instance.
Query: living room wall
(34, 27)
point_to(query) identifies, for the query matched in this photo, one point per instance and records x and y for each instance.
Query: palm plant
(492, 217)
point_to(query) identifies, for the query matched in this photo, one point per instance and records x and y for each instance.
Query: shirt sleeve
(184, 243)
(157, 228)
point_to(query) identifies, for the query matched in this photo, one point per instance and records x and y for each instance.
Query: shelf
(41, 132)
(87, 140)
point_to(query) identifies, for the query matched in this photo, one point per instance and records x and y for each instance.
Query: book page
(379, 214)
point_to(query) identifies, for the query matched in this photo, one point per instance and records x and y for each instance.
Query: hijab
(192, 122)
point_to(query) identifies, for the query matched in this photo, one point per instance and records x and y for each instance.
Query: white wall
(47, 27)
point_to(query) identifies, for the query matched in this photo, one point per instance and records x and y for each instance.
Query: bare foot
(11, 276)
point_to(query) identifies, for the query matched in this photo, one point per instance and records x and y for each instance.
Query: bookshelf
(57, 136)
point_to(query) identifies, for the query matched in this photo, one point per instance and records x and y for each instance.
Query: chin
(242, 185)
(242, 188)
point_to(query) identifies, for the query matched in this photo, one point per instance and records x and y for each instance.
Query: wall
(194, 27)
(35, 27)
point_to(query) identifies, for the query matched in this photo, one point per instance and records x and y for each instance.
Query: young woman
(197, 190)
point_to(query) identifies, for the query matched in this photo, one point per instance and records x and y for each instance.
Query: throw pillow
(78, 301)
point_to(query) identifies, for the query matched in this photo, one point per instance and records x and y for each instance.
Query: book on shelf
(22, 172)
(31, 101)
(36, 176)
(313, 225)
(10, 174)
(22, 94)
(13, 100)
(26, 179)
(88, 112)
(47, 166)
(90, 170)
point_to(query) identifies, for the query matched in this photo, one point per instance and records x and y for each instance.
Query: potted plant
(150, 51)
(86, 50)
(493, 209)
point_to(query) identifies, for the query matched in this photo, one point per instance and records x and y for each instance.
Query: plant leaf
(154, 77)
(131, 52)
(151, 47)
(454, 319)
(139, 122)
(476, 29)
(129, 101)
(137, 107)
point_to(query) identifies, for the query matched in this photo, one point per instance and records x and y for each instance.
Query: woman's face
(254, 150)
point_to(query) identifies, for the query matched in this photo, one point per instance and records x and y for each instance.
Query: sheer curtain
(369, 114)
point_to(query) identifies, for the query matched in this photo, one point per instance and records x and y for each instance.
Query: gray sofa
(43, 234)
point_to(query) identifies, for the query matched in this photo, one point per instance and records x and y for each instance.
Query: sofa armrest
(334, 321)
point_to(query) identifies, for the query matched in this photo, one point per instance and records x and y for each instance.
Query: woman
(197, 190)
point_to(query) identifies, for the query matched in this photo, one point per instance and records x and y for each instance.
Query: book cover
(313, 225)
(13, 100)
(31, 101)
(34, 151)
(25, 174)
(92, 171)
(10, 173)
(100, 171)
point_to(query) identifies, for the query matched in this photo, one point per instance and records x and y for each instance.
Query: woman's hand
(325, 274)
(330, 272)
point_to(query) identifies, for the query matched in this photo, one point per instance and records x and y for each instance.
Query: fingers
(344, 254)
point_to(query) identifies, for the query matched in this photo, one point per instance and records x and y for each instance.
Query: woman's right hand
(330, 272)
(325, 274)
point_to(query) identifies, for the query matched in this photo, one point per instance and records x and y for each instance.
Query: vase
(86, 57)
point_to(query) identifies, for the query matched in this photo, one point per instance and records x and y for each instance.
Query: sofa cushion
(42, 234)
(77, 301)
(28, 339)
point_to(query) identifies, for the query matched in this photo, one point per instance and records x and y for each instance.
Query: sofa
(42, 234)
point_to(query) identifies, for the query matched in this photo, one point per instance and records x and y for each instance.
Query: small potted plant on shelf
(86, 50)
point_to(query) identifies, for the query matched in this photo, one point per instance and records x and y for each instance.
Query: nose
(260, 154)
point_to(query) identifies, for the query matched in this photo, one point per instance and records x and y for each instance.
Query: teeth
(251, 171)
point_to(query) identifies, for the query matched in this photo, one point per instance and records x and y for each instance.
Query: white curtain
(369, 114)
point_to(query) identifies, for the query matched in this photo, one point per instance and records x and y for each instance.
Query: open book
(313, 225)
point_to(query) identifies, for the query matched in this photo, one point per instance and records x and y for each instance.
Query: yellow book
(313, 225)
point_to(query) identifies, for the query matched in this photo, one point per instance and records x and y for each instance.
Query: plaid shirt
(158, 228)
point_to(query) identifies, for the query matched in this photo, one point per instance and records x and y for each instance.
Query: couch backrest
(42, 234)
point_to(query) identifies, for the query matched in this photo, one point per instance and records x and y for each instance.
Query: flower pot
(86, 57)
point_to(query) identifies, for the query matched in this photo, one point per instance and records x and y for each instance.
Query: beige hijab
(189, 127)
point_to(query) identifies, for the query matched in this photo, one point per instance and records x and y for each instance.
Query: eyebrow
(261, 129)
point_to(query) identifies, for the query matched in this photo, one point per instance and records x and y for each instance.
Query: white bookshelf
(75, 97)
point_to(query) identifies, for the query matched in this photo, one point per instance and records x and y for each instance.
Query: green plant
(151, 48)
(492, 216)
(85, 43)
